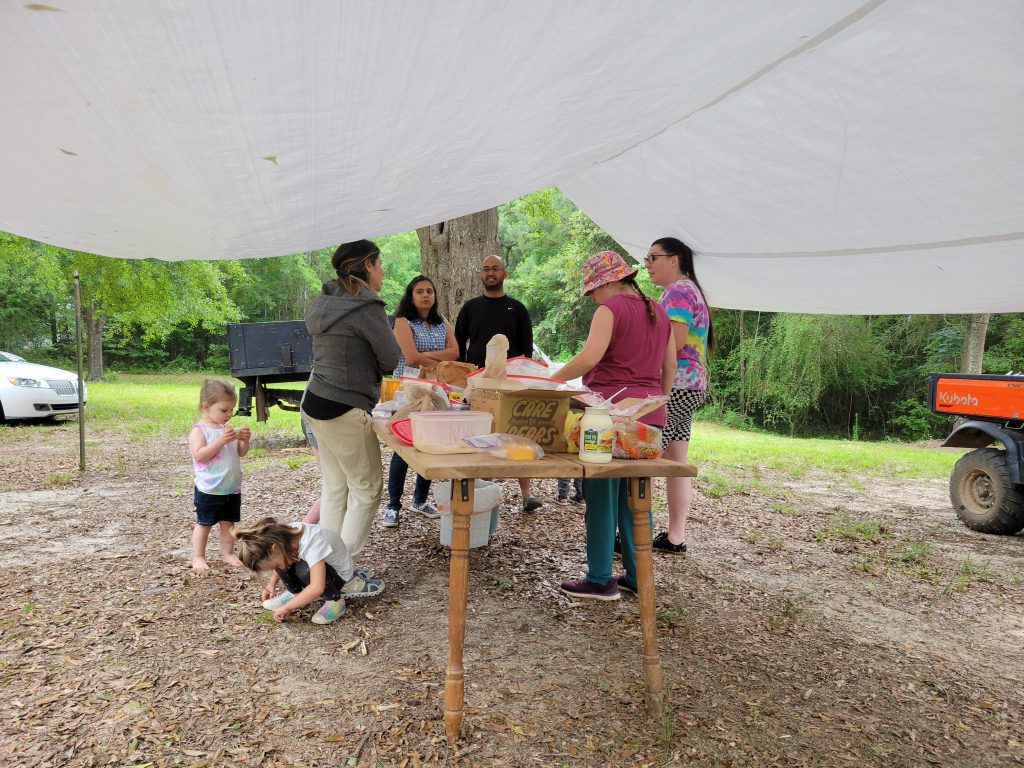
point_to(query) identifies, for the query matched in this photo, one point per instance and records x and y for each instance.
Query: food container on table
(442, 431)
(389, 385)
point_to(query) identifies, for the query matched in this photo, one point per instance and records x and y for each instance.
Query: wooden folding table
(462, 469)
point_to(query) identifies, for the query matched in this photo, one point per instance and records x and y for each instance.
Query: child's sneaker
(391, 518)
(329, 611)
(277, 602)
(426, 509)
(360, 586)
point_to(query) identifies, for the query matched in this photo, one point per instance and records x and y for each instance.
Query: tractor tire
(982, 494)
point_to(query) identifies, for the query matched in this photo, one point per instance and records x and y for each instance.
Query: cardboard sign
(533, 413)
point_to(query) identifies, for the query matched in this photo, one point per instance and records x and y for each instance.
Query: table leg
(640, 489)
(458, 593)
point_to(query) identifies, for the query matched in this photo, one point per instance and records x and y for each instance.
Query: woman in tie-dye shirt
(669, 263)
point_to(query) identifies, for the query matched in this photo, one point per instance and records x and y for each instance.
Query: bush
(915, 421)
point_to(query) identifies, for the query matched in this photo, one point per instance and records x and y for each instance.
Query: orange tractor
(987, 484)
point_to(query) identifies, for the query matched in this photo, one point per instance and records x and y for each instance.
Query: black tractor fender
(979, 434)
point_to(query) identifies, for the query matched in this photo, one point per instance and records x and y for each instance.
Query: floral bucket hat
(604, 267)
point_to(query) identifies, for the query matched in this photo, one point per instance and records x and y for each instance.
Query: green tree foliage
(802, 374)
(401, 258)
(546, 240)
(815, 368)
(34, 296)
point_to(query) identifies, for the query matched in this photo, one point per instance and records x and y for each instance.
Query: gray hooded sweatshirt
(353, 346)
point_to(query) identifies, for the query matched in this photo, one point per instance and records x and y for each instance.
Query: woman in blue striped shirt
(426, 339)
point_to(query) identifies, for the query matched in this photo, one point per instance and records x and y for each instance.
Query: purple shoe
(591, 591)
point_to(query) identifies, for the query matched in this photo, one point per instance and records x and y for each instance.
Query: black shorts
(682, 404)
(211, 509)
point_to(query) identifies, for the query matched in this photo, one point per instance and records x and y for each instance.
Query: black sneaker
(661, 542)
(625, 586)
(532, 504)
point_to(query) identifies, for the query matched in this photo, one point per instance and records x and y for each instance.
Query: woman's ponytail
(349, 262)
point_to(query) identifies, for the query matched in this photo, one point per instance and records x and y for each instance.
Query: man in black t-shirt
(489, 314)
(493, 312)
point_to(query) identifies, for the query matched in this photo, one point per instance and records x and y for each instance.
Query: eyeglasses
(494, 270)
(650, 258)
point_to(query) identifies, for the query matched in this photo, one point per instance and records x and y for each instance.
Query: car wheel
(982, 494)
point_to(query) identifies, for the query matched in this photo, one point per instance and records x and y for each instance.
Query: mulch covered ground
(785, 639)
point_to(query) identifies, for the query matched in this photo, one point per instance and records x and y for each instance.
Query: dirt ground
(796, 632)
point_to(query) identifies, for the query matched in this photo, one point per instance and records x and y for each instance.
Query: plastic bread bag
(635, 407)
(635, 440)
(541, 382)
(495, 356)
(421, 395)
(527, 366)
(505, 446)
(627, 408)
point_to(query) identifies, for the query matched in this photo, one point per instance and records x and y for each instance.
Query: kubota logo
(952, 398)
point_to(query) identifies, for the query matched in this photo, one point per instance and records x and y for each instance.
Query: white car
(30, 391)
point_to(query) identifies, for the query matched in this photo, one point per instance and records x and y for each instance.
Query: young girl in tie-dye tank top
(216, 449)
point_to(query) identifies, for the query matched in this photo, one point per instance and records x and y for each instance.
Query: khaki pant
(352, 476)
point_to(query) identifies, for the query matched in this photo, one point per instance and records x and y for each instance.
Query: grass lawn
(718, 445)
(167, 405)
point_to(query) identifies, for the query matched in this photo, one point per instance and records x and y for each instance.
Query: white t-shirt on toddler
(319, 543)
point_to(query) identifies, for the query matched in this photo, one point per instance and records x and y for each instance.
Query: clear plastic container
(442, 431)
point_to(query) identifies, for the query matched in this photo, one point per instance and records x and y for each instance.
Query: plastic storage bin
(483, 522)
(442, 431)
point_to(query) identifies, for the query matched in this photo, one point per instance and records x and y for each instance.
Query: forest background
(809, 375)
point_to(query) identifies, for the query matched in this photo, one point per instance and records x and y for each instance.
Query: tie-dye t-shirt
(221, 475)
(683, 303)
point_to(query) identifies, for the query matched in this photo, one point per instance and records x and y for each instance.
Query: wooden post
(81, 380)
(458, 595)
(640, 505)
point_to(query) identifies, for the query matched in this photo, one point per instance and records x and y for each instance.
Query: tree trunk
(94, 323)
(743, 369)
(974, 343)
(450, 255)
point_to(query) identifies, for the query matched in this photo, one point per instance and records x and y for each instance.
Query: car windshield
(7, 357)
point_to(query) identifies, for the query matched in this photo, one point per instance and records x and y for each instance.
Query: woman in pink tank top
(629, 345)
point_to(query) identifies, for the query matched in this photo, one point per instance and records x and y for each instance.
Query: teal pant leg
(625, 521)
(600, 518)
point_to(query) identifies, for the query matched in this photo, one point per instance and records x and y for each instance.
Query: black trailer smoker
(269, 353)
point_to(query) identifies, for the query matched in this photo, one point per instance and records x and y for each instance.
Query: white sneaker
(277, 602)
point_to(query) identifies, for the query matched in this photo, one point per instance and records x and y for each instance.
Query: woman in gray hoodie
(353, 348)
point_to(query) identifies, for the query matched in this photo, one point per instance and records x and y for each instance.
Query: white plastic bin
(486, 508)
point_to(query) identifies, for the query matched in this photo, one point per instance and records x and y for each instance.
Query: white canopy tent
(820, 156)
